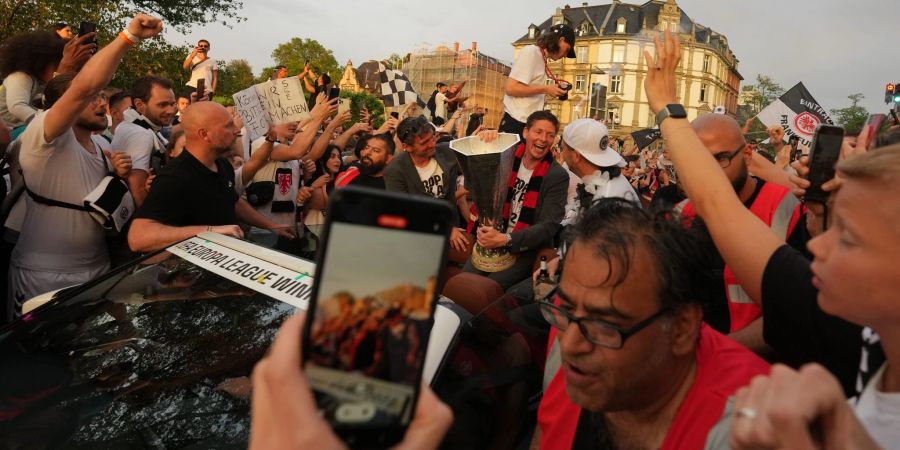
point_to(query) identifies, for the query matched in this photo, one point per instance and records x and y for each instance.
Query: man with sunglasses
(735, 312)
(640, 369)
(202, 67)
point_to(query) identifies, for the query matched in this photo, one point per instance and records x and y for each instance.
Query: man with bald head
(195, 192)
(773, 204)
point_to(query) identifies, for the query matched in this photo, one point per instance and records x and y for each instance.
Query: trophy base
(492, 260)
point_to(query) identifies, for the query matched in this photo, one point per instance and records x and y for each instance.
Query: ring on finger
(747, 413)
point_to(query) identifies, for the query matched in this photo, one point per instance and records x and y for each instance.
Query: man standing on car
(526, 86)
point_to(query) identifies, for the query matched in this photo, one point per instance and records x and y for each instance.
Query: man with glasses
(202, 67)
(640, 369)
(775, 205)
(63, 158)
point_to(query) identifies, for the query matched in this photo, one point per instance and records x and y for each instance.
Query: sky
(368, 260)
(835, 47)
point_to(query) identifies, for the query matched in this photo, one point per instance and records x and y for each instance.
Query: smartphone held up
(823, 156)
(377, 279)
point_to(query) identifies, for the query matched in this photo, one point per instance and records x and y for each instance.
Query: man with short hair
(202, 67)
(526, 86)
(154, 101)
(775, 205)
(440, 104)
(195, 192)
(118, 104)
(182, 102)
(425, 168)
(640, 369)
(63, 160)
(374, 158)
(535, 202)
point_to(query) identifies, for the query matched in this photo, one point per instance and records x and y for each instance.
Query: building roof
(602, 19)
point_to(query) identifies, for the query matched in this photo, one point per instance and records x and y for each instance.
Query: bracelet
(127, 40)
(131, 37)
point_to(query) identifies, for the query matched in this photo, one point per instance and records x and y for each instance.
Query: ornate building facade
(609, 69)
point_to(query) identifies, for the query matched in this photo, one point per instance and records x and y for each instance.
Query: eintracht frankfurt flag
(797, 112)
(396, 90)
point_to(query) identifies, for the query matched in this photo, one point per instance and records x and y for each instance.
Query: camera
(566, 86)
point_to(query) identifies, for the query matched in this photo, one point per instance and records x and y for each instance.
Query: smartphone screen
(823, 155)
(335, 92)
(87, 27)
(201, 88)
(369, 321)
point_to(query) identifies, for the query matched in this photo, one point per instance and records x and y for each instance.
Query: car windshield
(157, 353)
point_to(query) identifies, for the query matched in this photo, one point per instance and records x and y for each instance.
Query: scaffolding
(485, 76)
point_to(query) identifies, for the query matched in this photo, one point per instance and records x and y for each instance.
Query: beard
(93, 124)
(739, 182)
(369, 167)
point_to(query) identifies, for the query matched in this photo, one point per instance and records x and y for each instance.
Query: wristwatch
(674, 110)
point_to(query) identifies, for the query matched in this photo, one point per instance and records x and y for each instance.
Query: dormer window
(584, 28)
(532, 32)
(620, 25)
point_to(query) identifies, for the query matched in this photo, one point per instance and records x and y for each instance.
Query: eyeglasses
(101, 97)
(597, 331)
(724, 158)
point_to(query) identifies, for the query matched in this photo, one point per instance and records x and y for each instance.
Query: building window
(706, 60)
(618, 53)
(581, 55)
(673, 27)
(620, 25)
(615, 84)
(703, 92)
(584, 29)
(531, 33)
(579, 83)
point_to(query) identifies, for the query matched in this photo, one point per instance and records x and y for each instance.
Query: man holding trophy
(519, 192)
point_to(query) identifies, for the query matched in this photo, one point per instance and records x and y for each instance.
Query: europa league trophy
(487, 166)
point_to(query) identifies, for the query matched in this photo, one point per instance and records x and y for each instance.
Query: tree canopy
(853, 117)
(295, 53)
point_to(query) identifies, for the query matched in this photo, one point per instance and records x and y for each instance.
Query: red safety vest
(777, 207)
(723, 366)
(344, 178)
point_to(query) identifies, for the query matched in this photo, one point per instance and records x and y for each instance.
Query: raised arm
(94, 76)
(301, 145)
(744, 241)
(318, 149)
(258, 159)
(190, 59)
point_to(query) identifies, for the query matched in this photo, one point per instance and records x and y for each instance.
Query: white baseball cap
(591, 138)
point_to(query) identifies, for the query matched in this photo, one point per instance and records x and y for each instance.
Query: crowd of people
(701, 301)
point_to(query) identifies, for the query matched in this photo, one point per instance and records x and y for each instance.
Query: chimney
(474, 46)
(584, 4)
(456, 47)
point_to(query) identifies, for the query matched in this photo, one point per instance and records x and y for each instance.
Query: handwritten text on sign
(272, 102)
(277, 282)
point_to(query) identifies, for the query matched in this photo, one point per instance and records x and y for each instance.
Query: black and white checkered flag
(396, 90)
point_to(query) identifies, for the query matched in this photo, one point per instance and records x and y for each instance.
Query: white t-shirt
(138, 142)
(440, 106)
(286, 175)
(515, 207)
(879, 412)
(528, 69)
(432, 177)
(54, 238)
(202, 69)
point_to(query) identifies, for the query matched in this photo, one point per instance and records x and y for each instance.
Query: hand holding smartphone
(201, 88)
(823, 156)
(371, 312)
(334, 93)
(85, 28)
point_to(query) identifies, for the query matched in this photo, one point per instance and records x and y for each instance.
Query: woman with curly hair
(27, 63)
(327, 169)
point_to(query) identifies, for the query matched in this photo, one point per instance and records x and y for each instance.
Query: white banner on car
(280, 283)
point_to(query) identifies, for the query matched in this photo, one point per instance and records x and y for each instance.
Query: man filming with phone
(202, 67)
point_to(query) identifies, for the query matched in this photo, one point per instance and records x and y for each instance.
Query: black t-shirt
(801, 332)
(367, 181)
(187, 193)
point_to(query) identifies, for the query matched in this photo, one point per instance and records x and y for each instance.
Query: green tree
(853, 117)
(234, 76)
(22, 15)
(295, 53)
(759, 95)
(153, 57)
(373, 103)
(394, 61)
